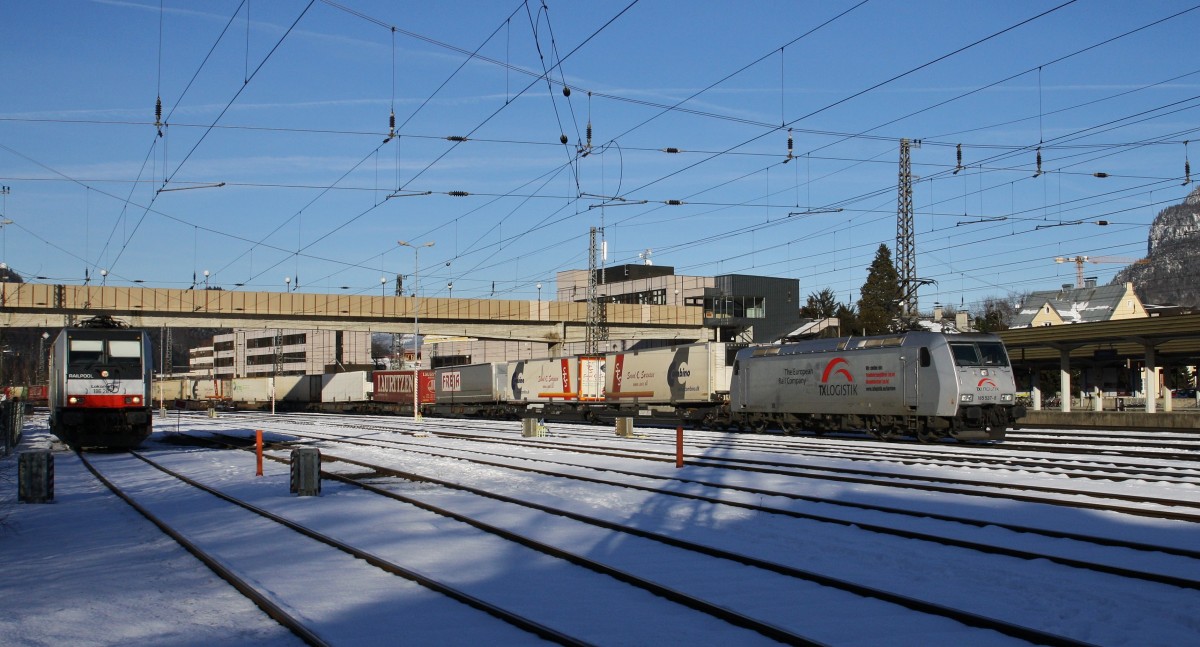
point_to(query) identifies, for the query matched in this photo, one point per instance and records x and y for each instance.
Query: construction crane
(1080, 260)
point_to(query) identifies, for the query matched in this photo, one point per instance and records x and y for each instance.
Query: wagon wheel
(927, 436)
(758, 426)
(883, 433)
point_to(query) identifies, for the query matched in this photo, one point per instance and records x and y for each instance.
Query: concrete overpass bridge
(38, 305)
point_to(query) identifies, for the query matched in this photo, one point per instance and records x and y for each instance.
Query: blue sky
(288, 105)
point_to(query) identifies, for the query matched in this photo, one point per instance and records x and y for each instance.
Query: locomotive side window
(965, 354)
(993, 354)
(925, 359)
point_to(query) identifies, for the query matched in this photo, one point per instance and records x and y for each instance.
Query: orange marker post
(679, 446)
(258, 450)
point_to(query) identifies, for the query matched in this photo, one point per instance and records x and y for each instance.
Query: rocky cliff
(1171, 271)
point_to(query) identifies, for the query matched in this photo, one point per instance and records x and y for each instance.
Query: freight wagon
(676, 382)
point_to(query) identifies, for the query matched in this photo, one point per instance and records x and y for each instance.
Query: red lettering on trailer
(566, 376)
(618, 372)
(451, 381)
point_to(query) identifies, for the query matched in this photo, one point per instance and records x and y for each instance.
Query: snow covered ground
(88, 570)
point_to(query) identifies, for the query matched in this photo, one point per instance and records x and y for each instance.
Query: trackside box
(471, 384)
(688, 373)
(397, 386)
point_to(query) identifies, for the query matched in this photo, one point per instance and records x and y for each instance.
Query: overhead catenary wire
(515, 225)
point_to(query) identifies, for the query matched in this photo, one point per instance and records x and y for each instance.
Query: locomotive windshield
(87, 353)
(983, 353)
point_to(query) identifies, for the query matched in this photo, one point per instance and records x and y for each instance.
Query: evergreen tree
(879, 300)
(820, 305)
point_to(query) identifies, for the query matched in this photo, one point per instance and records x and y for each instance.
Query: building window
(739, 307)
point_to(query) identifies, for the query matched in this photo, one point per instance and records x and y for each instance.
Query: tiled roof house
(1079, 305)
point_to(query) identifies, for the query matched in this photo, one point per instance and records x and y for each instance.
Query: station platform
(1185, 420)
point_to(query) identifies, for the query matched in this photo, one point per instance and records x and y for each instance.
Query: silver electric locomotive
(100, 385)
(922, 384)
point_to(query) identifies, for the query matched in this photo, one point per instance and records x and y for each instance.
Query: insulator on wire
(458, 194)
(391, 127)
(790, 149)
(563, 138)
(1039, 162)
(675, 202)
(589, 134)
(1187, 166)
(566, 91)
(158, 115)
(958, 153)
(456, 138)
(670, 150)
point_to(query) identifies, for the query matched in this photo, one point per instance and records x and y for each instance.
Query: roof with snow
(1078, 305)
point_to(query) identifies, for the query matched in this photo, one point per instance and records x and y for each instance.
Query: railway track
(268, 585)
(785, 582)
(560, 469)
(1108, 467)
(742, 498)
(1087, 499)
(715, 623)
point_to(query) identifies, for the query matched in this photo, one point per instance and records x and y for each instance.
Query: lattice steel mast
(597, 316)
(906, 251)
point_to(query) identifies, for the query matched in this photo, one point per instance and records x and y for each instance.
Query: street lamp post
(416, 322)
(43, 377)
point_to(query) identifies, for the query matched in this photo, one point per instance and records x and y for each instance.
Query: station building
(737, 308)
(261, 353)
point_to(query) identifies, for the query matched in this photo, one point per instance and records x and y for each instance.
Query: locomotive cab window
(993, 354)
(126, 353)
(119, 349)
(924, 357)
(981, 354)
(86, 351)
(965, 354)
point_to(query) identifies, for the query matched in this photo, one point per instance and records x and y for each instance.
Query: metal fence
(12, 418)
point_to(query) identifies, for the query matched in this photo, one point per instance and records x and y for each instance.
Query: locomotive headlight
(966, 397)
(103, 373)
(74, 399)
(137, 399)
(1006, 397)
